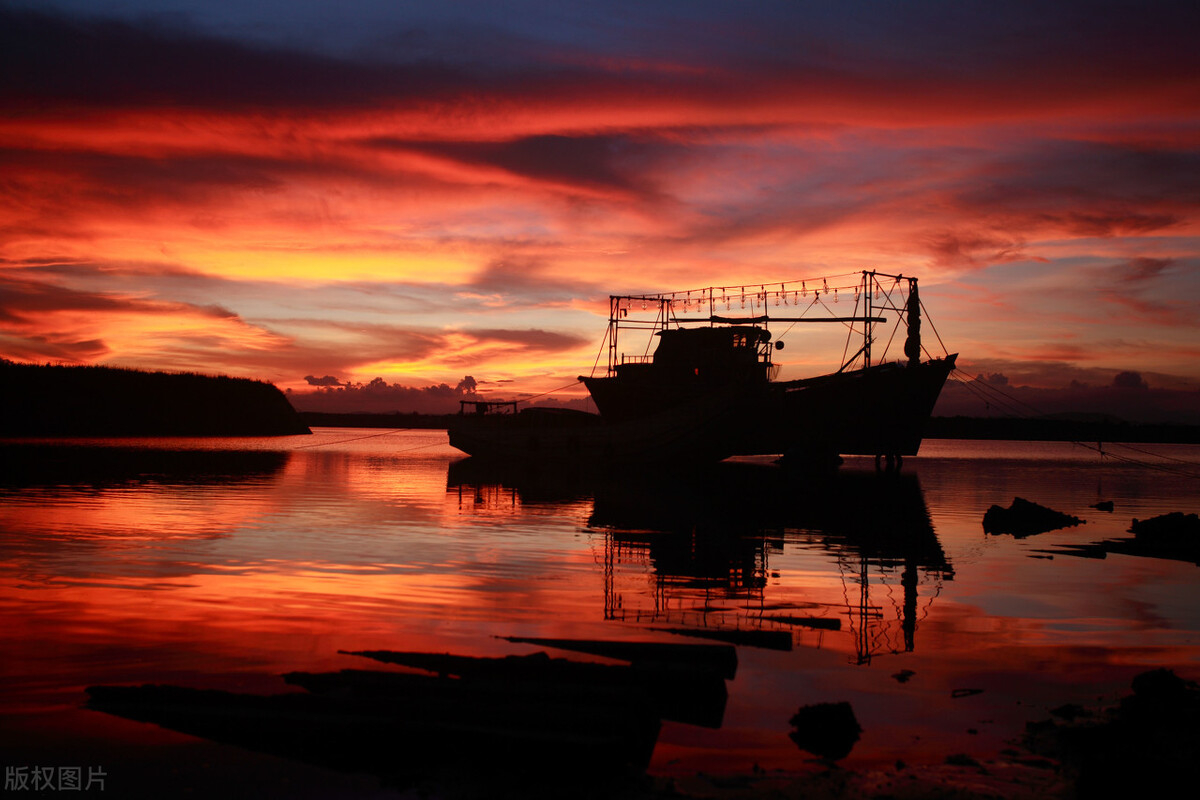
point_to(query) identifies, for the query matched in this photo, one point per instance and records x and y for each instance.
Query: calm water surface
(222, 564)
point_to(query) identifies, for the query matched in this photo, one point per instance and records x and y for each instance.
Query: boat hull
(880, 410)
(697, 430)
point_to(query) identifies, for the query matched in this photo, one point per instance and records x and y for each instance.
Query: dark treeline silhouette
(1051, 429)
(1127, 396)
(321, 419)
(105, 401)
(1041, 429)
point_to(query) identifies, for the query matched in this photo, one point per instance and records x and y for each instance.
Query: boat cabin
(716, 355)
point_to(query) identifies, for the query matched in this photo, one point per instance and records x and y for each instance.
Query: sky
(317, 194)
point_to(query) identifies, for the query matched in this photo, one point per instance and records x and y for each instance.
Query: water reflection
(707, 538)
(1180, 541)
(27, 466)
(79, 515)
(221, 570)
(519, 724)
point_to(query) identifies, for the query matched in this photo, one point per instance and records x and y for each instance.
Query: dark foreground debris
(1174, 536)
(828, 730)
(1143, 747)
(465, 726)
(1024, 518)
(1176, 528)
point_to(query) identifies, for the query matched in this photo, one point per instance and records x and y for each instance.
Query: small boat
(710, 389)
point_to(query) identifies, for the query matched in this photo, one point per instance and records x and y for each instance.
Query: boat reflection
(747, 552)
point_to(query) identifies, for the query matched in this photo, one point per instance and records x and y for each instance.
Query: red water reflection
(227, 581)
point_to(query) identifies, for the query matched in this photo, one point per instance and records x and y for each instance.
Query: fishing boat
(711, 387)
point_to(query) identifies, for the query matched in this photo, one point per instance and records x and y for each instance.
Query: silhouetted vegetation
(1058, 429)
(322, 419)
(1045, 429)
(104, 401)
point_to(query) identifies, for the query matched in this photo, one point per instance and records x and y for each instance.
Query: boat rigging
(711, 388)
(873, 293)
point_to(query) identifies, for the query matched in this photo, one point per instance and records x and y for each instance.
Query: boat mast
(867, 285)
(910, 314)
(912, 344)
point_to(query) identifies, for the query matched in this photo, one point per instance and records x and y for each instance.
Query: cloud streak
(415, 195)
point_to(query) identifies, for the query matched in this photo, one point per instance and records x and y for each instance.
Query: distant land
(1060, 428)
(398, 420)
(49, 400)
(1087, 428)
(1128, 396)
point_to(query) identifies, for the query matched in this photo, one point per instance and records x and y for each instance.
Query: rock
(828, 730)
(1070, 712)
(1162, 687)
(1024, 518)
(1166, 527)
(1144, 747)
(1175, 535)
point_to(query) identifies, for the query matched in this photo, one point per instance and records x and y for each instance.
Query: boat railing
(867, 295)
(482, 407)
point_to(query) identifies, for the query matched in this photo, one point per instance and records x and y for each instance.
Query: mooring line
(371, 436)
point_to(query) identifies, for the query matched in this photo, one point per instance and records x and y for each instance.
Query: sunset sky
(421, 191)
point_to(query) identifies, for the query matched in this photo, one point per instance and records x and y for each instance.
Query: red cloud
(414, 217)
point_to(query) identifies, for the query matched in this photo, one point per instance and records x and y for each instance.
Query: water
(225, 563)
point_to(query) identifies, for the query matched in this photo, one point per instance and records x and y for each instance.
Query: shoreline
(969, 428)
(1143, 745)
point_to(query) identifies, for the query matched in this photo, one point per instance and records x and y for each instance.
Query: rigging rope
(552, 391)
(929, 321)
(371, 436)
(980, 389)
(603, 341)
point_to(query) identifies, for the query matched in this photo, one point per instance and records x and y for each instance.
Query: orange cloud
(313, 195)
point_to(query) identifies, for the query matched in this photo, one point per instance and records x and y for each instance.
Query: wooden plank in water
(718, 658)
(765, 640)
(820, 623)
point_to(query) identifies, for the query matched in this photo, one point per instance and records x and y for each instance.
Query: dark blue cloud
(286, 53)
(48, 60)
